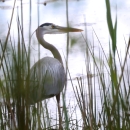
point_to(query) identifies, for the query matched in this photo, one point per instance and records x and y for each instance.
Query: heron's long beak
(68, 29)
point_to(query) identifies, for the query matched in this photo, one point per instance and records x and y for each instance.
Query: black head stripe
(45, 24)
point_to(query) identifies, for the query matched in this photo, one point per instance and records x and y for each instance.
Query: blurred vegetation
(113, 82)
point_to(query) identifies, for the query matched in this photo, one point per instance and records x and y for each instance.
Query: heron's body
(47, 78)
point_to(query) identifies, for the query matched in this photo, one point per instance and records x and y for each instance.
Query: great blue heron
(48, 75)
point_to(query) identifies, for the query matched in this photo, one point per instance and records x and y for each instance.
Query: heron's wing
(47, 78)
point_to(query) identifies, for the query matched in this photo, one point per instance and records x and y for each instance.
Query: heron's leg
(59, 111)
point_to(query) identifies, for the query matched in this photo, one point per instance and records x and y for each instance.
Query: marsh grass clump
(15, 112)
(113, 84)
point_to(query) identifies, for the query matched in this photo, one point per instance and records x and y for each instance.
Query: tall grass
(113, 86)
(113, 82)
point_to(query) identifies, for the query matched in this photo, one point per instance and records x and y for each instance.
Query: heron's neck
(50, 47)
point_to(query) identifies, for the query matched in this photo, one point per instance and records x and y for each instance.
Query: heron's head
(50, 28)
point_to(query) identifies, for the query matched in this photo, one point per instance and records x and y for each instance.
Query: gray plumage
(47, 79)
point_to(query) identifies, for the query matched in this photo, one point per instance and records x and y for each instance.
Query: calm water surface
(82, 12)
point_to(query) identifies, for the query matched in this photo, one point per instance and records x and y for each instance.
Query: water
(81, 12)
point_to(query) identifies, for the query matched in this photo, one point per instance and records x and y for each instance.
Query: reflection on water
(81, 13)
